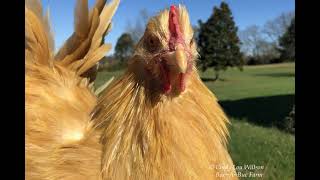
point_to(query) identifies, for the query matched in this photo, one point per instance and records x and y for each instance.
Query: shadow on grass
(263, 111)
(204, 79)
(288, 74)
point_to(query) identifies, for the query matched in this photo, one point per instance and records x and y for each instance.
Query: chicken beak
(178, 59)
(181, 59)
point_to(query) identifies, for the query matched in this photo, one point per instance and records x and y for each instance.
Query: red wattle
(167, 88)
(182, 81)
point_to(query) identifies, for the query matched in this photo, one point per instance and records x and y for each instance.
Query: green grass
(255, 99)
(253, 81)
(104, 76)
(268, 147)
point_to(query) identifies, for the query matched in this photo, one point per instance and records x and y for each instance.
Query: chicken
(60, 140)
(158, 119)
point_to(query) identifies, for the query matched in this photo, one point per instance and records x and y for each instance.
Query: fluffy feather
(61, 142)
(39, 44)
(85, 47)
(151, 135)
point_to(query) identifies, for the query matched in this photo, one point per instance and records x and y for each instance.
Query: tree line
(222, 45)
(269, 44)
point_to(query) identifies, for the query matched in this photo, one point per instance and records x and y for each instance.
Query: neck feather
(146, 132)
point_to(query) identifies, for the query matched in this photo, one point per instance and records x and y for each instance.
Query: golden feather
(38, 37)
(149, 135)
(90, 28)
(61, 142)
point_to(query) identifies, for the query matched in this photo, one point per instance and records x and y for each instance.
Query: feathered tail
(85, 47)
(39, 44)
(60, 140)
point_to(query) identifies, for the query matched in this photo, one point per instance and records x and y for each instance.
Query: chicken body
(60, 140)
(159, 120)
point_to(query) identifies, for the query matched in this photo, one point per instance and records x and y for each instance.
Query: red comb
(174, 27)
(172, 8)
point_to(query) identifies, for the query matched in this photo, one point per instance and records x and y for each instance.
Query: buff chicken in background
(159, 120)
(60, 141)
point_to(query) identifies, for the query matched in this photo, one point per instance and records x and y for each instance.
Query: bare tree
(275, 28)
(263, 41)
(196, 30)
(250, 38)
(136, 29)
(255, 44)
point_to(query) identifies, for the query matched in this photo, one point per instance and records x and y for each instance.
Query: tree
(137, 29)
(124, 47)
(287, 43)
(196, 30)
(219, 44)
(256, 47)
(260, 45)
(250, 38)
(276, 27)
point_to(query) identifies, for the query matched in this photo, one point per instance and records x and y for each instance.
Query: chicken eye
(152, 43)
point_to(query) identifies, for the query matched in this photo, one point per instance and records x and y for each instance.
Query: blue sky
(245, 12)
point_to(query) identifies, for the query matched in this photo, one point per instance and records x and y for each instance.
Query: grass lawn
(254, 81)
(269, 147)
(255, 100)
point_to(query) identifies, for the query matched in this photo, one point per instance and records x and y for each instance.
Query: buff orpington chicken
(158, 120)
(60, 141)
